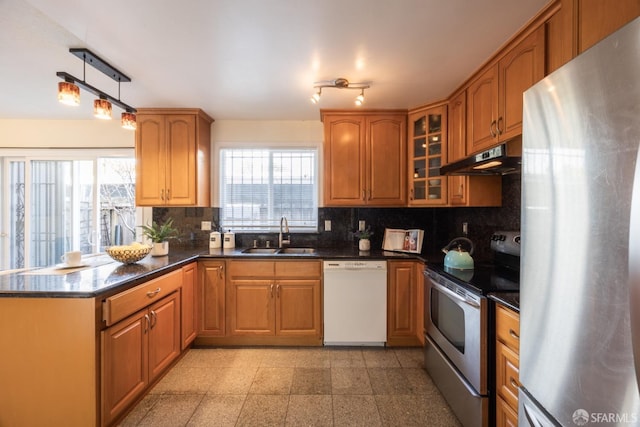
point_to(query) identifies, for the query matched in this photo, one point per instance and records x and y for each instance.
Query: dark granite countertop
(106, 277)
(508, 299)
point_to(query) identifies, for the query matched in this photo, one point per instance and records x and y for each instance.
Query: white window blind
(260, 186)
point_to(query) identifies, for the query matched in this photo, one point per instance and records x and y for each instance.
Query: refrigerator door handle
(634, 268)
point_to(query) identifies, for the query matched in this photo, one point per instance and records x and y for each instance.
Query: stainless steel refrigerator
(580, 250)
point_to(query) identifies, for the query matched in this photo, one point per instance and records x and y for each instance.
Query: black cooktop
(484, 278)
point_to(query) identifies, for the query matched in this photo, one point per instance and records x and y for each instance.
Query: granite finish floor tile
(320, 386)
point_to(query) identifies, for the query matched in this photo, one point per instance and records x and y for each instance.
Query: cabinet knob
(514, 334)
(162, 195)
(499, 128)
(146, 323)
(168, 194)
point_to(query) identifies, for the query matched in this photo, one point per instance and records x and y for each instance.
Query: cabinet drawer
(507, 374)
(294, 269)
(505, 415)
(508, 327)
(119, 306)
(251, 268)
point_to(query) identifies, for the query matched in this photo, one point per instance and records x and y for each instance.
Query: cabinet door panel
(298, 307)
(251, 307)
(150, 152)
(597, 19)
(164, 334)
(505, 416)
(188, 300)
(344, 160)
(520, 69)
(386, 170)
(457, 148)
(482, 104)
(125, 372)
(211, 311)
(181, 164)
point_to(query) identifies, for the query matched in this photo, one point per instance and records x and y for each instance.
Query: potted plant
(364, 244)
(159, 234)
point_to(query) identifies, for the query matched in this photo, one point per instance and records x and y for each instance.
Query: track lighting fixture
(339, 83)
(69, 91)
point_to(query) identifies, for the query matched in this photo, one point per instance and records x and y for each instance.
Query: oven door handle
(452, 294)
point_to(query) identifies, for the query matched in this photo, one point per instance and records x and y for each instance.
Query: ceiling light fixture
(340, 83)
(102, 108)
(103, 105)
(68, 93)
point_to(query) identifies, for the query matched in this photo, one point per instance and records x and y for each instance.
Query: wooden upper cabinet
(426, 154)
(467, 190)
(494, 98)
(482, 110)
(385, 160)
(344, 160)
(456, 144)
(364, 158)
(596, 19)
(173, 157)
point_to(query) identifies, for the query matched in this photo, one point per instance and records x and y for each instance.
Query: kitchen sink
(260, 251)
(297, 251)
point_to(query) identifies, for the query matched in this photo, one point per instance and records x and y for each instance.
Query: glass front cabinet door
(427, 152)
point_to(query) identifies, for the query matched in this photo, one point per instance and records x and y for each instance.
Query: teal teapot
(456, 256)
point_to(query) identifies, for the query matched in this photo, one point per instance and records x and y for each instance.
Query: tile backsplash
(439, 224)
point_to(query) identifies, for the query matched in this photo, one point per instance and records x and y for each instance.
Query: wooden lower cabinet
(274, 302)
(135, 351)
(298, 307)
(211, 298)
(505, 415)
(404, 303)
(251, 307)
(507, 366)
(189, 301)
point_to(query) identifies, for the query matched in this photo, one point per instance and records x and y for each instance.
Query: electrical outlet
(361, 225)
(465, 228)
(327, 225)
(205, 225)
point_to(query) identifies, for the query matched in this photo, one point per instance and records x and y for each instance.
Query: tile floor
(323, 386)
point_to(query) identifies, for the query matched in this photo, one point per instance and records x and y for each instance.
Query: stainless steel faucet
(284, 229)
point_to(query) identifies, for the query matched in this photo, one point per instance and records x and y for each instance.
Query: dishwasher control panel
(354, 265)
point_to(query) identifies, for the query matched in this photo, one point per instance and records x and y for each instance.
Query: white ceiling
(248, 59)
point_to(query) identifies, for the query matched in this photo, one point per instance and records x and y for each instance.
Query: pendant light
(128, 120)
(102, 108)
(68, 93)
(69, 89)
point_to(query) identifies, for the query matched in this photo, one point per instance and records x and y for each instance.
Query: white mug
(72, 258)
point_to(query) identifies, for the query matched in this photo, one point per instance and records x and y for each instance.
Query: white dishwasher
(355, 302)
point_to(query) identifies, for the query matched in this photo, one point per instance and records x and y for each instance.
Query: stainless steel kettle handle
(456, 240)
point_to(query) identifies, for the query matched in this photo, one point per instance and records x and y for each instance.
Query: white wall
(100, 134)
(64, 134)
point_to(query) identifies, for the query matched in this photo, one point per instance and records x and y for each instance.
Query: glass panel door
(428, 141)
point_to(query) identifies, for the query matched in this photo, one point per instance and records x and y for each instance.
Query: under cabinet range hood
(503, 159)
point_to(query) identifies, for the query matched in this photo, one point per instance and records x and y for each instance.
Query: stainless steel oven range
(459, 328)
